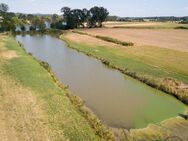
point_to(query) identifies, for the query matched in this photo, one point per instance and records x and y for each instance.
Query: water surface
(116, 99)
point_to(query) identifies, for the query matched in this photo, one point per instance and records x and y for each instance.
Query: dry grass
(4, 53)
(130, 24)
(175, 129)
(78, 38)
(22, 117)
(165, 38)
(8, 54)
(21, 114)
(149, 25)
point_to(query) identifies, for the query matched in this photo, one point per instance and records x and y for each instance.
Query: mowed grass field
(32, 106)
(149, 25)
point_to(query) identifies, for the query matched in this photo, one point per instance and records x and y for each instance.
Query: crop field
(164, 38)
(151, 25)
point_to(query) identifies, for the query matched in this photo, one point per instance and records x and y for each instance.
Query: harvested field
(150, 25)
(130, 24)
(166, 38)
(78, 38)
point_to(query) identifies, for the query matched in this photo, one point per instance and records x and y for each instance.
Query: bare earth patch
(166, 38)
(8, 54)
(4, 53)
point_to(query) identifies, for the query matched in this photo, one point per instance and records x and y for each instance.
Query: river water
(116, 99)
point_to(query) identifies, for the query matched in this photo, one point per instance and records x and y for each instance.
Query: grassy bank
(150, 65)
(32, 106)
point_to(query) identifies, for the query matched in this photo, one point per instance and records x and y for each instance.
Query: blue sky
(126, 8)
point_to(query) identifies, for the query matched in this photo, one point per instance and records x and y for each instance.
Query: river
(118, 100)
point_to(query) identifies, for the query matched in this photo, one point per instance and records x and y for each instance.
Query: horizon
(134, 8)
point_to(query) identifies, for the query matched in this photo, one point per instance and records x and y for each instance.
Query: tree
(7, 23)
(85, 16)
(76, 18)
(4, 7)
(17, 21)
(97, 16)
(68, 17)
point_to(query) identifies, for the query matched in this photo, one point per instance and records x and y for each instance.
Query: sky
(123, 8)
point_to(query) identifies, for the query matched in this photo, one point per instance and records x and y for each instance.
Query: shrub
(109, 39)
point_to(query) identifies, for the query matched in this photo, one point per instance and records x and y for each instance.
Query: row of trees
(84, 18)
(70, 18)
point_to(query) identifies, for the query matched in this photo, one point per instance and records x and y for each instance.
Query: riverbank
(56, 117)
(141, 63)
(34, 110)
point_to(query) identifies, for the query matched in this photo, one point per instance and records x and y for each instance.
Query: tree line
(84, 18)
(70, 18)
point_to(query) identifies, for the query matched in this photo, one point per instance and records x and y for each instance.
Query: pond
(118, 100)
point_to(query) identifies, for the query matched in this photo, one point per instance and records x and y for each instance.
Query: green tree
(7, 24)
(68, 17)
(97, 16)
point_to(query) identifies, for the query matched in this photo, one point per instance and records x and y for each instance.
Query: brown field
(151, 25)
(166, 38)
(130, 24)
(78, 38)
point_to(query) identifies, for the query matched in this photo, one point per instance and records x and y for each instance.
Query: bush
(109, 39)
(181, 27)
